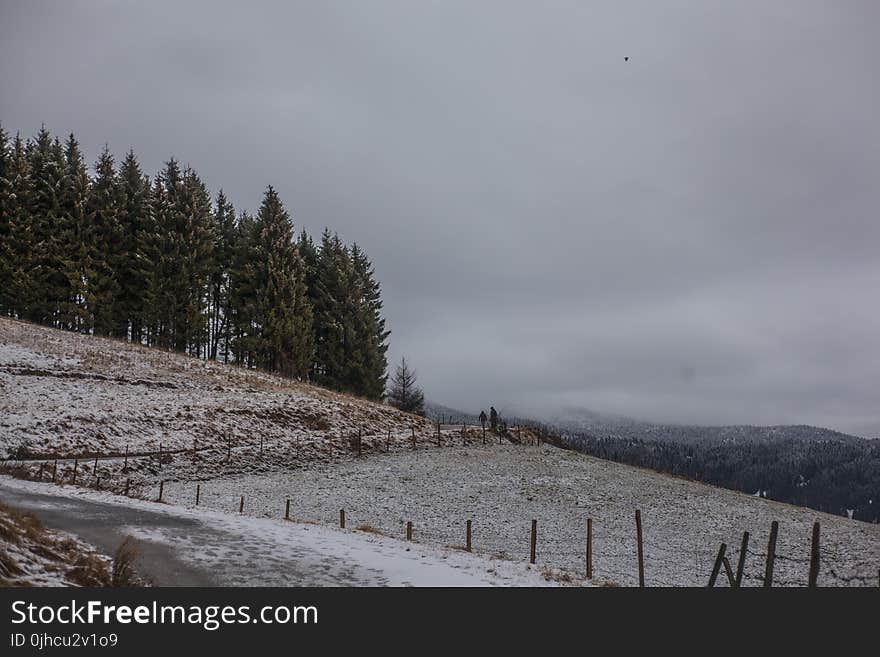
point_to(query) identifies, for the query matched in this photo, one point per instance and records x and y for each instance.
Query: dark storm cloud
(688, 236)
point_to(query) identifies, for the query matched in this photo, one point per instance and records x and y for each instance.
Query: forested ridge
(832, 475)
(159, 261)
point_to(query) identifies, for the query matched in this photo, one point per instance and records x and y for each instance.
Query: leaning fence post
(641, 553)
(409, 530)
(534, 541)
(198, 493)
(717, 566)
(342, 518)
(589, 548)
(287, 510)
(771, 554)
(468, 543)
(95, 469)
(814, 557)
(740, 567)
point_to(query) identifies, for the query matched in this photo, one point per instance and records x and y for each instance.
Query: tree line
(835, 475)
(157, 261)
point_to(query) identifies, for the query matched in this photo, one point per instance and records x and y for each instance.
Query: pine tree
(135, 220)
(368, 376)
(197, 238)
(45, 214)
(284, 313)
(157, 249)
(332, 307)
(219, 333)
(106, 239)
(404, 393)
(21, 249)
(74, 237)
(243, 298)
(6, 199)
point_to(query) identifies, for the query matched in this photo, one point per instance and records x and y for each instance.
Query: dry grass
(370, 530)
(124, 573)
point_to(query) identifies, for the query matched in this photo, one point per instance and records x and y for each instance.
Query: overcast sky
(689, 236)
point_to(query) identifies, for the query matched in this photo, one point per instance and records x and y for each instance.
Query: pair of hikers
(493, 418)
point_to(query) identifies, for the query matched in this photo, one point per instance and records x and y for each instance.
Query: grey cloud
(551, 224)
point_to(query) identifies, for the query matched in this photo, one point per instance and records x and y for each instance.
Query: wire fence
(614, 548)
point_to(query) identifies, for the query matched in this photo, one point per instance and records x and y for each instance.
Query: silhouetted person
(483, 418)
(493, 418)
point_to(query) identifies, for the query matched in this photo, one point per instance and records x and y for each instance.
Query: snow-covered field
(501, 490)
(241, 550)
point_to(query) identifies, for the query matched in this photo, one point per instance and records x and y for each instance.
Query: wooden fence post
(729, 572)
(95, 469)
(468, 543)
(814, 557)
(589, 548)
(125, 463)
(740, 567)
(127, 485)
(717, 567)
(641, 552)
(342, 518)
(261, 444)
(97, 483)
(161, 489)
(241, 505)
(409, 529)
(463, 436)
(388, 442)
(533, 542)
(771, 554)
(54, 470)
(198, 493)
(287, 510)
(75, 468)
(40, 475)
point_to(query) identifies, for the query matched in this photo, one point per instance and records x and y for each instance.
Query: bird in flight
(626, 59)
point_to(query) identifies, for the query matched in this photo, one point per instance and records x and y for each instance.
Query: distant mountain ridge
(577, 420)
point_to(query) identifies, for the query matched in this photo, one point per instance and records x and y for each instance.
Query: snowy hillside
(242, 443)
(64, 394)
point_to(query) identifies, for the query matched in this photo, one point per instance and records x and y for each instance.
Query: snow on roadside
(243, 550)
(31, 555)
